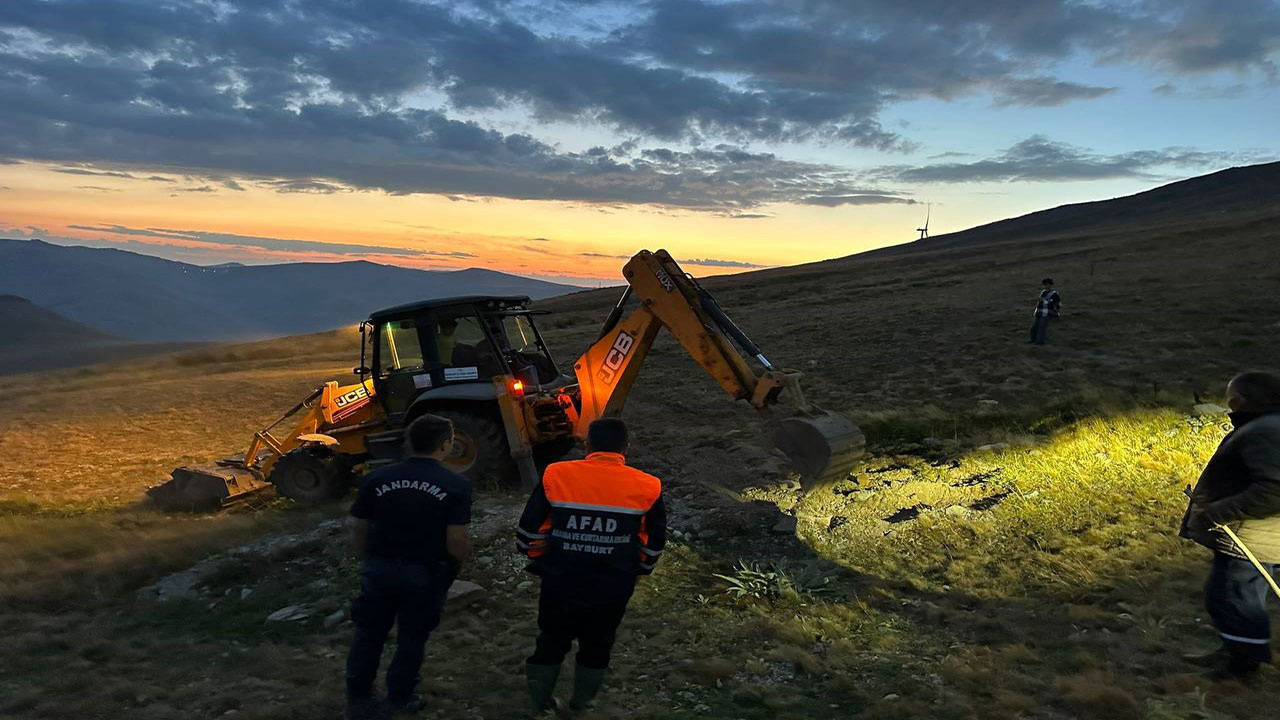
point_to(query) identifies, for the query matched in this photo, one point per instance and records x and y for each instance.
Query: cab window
(460, 341)
(399, 348)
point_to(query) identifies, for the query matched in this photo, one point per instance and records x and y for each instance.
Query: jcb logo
(665, 280)
(353, 396)
(616, 358)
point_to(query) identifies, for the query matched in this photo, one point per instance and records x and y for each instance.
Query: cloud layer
(329, 96)
(1039, 159)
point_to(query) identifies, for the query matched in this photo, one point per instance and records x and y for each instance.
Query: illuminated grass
(992, 522)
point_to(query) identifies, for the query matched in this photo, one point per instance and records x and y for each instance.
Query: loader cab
(451, 349)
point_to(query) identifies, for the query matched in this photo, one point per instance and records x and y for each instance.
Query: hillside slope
(1007, 551)
(24, 324)
(147, 298)
(33, 338)
(1237, 198)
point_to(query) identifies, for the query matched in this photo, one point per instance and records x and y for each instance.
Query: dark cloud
(314, 187)
(322, 95)
(96, 188)
(158, 178)
(713, 262)
(869, 199)
(539, 239)
(266, 243)
(232, 185)
(1046, 92)
(1040, 159)
(98, 173)
(604, 255)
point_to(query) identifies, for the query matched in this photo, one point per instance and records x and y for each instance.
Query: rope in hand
(1249, 554)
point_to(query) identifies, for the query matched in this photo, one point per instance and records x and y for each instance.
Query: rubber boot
(542, 686)
(586, 685)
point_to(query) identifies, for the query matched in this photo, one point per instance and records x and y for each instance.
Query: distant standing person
(409, 523)
(591, 528)
(1048, 309)
(1240, 488)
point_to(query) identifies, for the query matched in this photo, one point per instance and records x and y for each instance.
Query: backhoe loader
(481, 362)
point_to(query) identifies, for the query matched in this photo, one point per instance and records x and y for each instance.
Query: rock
(891, 696)
(957, 510)
(1208, 410)
(290, 613)
(333, 619)
(994, 447)
(484, 560)
(524, 585)
(786, 525)
(988, 403)
(245, 593)
(463, 592)
(707, 535)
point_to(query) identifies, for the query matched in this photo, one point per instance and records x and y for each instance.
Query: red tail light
(517, 389)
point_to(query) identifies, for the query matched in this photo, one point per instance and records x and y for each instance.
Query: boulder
(1208, 410)
(463, 592)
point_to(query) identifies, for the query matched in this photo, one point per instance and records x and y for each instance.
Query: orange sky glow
(527, 237)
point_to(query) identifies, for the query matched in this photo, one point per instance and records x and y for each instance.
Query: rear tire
(480, 449)
(309, 477)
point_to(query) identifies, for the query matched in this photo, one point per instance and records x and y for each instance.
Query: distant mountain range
(33, 338)
(1235, 197)
(143, 298)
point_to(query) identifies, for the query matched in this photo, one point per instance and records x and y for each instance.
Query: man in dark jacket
(409, 522)
(1240, 488)
(591, 528)
(1048, 309)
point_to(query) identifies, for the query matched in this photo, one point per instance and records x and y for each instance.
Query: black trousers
(408, 595)
(1040, 330)
(590, 615)
(1236, 598)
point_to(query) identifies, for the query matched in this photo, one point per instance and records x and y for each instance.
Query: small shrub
(772, 581)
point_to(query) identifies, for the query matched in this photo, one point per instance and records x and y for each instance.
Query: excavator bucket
(822, 446)
(208, 486)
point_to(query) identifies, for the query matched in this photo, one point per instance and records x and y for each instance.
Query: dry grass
(1061, 595)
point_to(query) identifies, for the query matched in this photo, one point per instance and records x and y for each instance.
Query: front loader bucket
(822, 446)
(207, 487)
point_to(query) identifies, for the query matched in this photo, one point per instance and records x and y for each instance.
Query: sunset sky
(551, 138)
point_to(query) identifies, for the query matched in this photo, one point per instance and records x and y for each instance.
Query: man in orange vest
(591, 528)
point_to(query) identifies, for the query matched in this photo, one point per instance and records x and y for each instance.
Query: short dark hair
(428, 433)
(1047, 281)
(608, 435)
(1260, 390)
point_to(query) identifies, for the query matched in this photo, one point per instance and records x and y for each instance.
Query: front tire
(480, 449)
(310, 478)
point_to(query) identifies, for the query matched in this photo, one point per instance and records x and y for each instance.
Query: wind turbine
(924, 231)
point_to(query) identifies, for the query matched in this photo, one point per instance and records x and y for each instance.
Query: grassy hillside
(1005, 551)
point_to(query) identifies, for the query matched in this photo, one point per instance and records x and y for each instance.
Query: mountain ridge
(144, 298)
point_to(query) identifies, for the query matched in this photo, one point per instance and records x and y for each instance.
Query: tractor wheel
(310, 478)
(480, 449)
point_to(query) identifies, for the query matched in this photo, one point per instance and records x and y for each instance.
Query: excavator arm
(821, 445)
